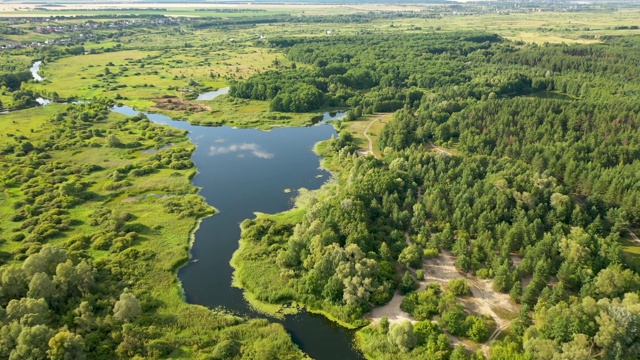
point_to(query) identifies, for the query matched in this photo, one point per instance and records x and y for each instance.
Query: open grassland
(371, 125)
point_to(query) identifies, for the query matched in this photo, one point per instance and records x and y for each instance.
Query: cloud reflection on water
(254, 149)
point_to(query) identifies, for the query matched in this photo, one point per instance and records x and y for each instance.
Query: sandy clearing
(391, 310)
(485, 301)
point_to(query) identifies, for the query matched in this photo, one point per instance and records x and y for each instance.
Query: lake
(213, 94)
(242, 171)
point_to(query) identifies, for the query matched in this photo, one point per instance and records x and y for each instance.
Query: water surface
(35, 68)
(213, 94)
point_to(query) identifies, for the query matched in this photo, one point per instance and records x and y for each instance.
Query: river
(242, 171)
(35, 68)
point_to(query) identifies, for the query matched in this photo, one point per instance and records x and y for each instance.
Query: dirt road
(366, 134)
(439, 149)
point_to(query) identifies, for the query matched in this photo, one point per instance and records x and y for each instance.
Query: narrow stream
(35, 68)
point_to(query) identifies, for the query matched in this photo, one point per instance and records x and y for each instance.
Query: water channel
(242, 171)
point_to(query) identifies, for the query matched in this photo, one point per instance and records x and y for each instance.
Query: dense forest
(539, 189)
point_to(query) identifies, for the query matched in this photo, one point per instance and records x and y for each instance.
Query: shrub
(431, 253)
(408, 283)
(459, 287)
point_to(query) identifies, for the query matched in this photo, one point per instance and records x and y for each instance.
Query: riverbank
(256, 272)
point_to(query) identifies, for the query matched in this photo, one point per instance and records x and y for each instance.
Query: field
(369, 127)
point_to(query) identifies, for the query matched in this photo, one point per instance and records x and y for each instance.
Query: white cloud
(254, 149)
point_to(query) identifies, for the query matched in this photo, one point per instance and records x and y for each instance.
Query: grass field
(357, 129)
(631, 251)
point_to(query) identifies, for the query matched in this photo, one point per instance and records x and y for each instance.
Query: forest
(540, 189)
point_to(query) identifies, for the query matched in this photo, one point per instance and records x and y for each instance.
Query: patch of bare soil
(485, 301)
(391, 310)
(177, 104)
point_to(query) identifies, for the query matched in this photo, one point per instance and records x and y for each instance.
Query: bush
(407, 283)
(411, 256)
(459, 287)
(431, 253)
(17, 237)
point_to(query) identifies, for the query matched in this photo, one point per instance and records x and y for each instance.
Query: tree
(615, 282)
(426, 332)
(41, 286)
(401, 335)
(459, 353)
(29, 312)
(454, 321)
(32, 343)
(384, 325)
(113, 141)
(127, 308)
(580, 348)
(66, 345)
(477, 328)
(502, 279)
(385, 252)
(13, 283)
(408, 283)
(459, 287)
(523, 321)
(516, 291)
(45, 261)
(8, 338)
(507, 350)
(619, 332)
(84, 318)
(411, 256)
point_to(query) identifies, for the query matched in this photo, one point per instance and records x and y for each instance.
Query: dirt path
(634, 237)
(484, 301)
(366, 134)
(439, 149)
(391, 310)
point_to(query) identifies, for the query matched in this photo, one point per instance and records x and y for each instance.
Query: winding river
(242, 171)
